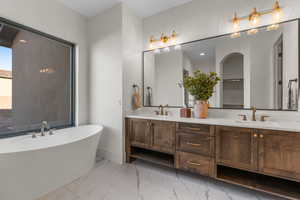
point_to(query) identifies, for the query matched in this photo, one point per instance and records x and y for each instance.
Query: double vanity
(263, 156)
(261, 71)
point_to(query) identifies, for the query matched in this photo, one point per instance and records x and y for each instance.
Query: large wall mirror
(260, 70)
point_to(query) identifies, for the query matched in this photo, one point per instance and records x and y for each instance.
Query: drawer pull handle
(192, 129)
(193, 144)
(193, 163)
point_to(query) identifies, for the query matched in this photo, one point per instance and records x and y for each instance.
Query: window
(36, 80)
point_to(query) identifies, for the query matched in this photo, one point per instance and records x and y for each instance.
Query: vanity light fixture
(152, 42)
(277, 12)
(276, 17)
(164, 41)
(254, 20)
(236, 27)
(202, 54)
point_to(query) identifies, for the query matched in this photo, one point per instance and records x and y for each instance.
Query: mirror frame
(224, 35)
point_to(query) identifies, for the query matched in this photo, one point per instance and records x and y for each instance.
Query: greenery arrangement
(201, 85)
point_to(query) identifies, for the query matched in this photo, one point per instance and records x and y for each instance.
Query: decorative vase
(201, 109)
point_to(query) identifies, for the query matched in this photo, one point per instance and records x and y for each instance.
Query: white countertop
(271, 125)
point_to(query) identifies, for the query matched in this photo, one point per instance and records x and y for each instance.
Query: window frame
(72, 74)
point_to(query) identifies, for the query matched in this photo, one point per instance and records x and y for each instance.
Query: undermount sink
(258, 123)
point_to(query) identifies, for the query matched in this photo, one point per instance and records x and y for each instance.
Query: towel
(136, 99)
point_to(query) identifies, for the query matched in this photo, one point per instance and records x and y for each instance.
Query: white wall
(132, 36)
(53, 18)
(115, 65)
(106, 75)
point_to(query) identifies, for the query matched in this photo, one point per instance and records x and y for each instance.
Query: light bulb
(235, 35)
(273, 27)
(252, 31)
(151, 46)
(152, 41)
(236, 23)
(173, 38)
(254, 18)
(173, 41)
(277, 13)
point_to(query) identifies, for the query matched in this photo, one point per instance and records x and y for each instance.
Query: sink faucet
(43, 127)
(162, 110)
(253, 113)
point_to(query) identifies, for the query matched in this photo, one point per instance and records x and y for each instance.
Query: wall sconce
(254, 20)
(165, 42)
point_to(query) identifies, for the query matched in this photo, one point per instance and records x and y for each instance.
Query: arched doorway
(232, 91)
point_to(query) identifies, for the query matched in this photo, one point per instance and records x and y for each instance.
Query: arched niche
(232, 86)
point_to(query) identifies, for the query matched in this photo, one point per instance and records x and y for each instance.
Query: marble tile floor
(144, 181)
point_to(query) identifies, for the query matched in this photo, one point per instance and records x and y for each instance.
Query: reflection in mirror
(258, 70)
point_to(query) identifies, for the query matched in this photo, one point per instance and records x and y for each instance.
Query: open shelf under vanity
(152, 156)
(272, 185)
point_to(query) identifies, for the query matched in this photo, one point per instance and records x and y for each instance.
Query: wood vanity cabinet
(279, 153)
(163, 136)
(236, 147)
(154, 135)
(263, 160)
(195, 148)
(139, 132)
(269, 152)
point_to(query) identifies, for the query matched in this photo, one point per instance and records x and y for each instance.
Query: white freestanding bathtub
(32, 167)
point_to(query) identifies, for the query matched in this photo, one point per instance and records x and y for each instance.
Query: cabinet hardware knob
(193, 144)
(261, 136)
(255, 135)
(193, 163)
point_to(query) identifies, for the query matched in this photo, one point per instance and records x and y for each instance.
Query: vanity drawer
(194, 163)
(195, 128)
(195, 143)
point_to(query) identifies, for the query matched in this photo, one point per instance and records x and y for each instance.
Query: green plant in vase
(201, 86)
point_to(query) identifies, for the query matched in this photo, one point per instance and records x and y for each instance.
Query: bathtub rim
(58, 131)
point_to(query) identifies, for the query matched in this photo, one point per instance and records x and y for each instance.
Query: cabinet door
(279, 153)
(140, 132)
(236, 147)
(163, 136)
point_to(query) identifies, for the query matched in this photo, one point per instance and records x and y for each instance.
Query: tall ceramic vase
(201, 109)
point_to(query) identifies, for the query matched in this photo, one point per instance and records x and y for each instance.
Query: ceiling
(143, 8)
(193, 51)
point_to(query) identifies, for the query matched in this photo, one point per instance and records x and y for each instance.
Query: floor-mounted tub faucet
(44, 126)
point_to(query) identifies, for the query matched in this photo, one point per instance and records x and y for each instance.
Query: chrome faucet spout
(43, 127)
